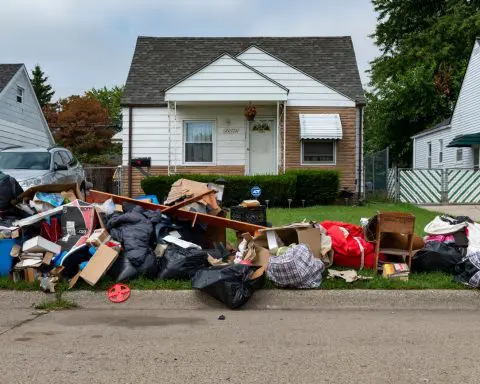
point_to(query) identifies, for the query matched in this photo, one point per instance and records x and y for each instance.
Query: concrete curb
(264, 299)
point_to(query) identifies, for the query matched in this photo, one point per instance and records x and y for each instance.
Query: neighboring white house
(455, 143)
(184, 102)
(21, 119)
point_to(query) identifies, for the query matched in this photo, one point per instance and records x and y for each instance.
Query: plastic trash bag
(180, 263)
(230, 284)
(437, 256)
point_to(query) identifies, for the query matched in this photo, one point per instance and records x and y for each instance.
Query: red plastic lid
(118, 293)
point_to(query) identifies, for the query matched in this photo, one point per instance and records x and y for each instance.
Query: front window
(440, 153)
(459, 154)
(318, 151)
(198, 141)
(476, 158)
(25, 160)
(429, 155)
(20, 92)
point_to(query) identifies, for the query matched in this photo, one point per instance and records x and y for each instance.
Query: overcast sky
(82, 44)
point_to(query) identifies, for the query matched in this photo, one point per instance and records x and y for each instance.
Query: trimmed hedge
(315, 187)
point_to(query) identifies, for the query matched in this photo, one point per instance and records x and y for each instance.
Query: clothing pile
(452, 245)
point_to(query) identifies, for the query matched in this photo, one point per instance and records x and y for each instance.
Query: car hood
(24, 174)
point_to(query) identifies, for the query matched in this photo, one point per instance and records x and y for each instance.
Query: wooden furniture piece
(395, 222)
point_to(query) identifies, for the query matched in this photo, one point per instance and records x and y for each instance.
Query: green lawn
(278, 217)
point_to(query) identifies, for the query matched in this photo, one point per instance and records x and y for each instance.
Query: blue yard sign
(256, 191)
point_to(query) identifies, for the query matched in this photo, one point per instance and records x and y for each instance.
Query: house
(21, 118)
(185, 99)
(455, 142)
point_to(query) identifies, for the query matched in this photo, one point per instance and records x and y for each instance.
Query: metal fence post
(397, 184)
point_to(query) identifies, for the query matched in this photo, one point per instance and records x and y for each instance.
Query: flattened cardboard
(47, 259)
(312, 238)
(99, 264)
(78, 221)
(39, 244)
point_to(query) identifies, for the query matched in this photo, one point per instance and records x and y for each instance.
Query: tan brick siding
(137, 176)
(346, 148)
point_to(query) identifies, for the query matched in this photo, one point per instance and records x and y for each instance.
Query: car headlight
(31, 182)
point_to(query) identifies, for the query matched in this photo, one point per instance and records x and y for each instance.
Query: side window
(65, 157)
(72, 161)
(58, 159)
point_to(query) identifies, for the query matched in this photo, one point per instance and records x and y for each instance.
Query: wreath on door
(261, 127)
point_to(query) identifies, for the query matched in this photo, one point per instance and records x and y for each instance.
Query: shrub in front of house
(277, 189)
(316, 187)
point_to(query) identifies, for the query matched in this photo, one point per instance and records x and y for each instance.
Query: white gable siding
(465, 120)
(226, 79)
(22, 123)
(466, 117)
(304, 91)
(150, 133)
(421, 150)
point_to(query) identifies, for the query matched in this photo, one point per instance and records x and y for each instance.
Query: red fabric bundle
(52, 231)
(348, 247)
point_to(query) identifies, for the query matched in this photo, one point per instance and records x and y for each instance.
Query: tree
(110, 99)
(81, 124)
(425, 46)
(43, 91)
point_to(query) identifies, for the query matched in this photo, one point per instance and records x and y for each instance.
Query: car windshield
(25, 160)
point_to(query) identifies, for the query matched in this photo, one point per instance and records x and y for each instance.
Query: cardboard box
(98, 237)
(47, 259)
(302, 233)
(99, 264)
(29, 194)
(39, 244)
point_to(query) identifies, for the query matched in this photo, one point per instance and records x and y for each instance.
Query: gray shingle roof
(443, 123)
(159, 62)
(7, 71)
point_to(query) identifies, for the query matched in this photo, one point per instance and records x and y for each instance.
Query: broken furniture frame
(215, 221)
(395, 222)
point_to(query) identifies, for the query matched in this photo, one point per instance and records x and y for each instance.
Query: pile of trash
(49, 234)
(452, 245)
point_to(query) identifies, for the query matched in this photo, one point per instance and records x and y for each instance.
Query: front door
(262, 147)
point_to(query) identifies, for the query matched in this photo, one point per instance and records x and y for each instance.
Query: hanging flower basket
(250, 112)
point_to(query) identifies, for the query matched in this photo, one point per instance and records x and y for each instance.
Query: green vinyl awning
(465, 140)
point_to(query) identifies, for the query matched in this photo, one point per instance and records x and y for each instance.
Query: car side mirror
(61, 167)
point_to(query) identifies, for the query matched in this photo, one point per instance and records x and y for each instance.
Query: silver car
(37, 166)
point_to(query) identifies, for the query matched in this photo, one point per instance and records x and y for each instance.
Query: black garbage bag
(181, 264)
(437, 256)
(9, 190)
(149, 266)
(134, 231)
(230, 284)
(122, 270)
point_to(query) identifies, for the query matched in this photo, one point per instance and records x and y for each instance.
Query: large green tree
(110, 99)
(425, 46)
(43, 90)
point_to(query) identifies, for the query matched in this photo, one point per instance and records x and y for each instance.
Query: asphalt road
(143, 346)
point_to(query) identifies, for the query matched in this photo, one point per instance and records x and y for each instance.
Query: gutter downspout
(130, 135)
(169, 138)
(360, 151)
(284, 134)
(277, 122)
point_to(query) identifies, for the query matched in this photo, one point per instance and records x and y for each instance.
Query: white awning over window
(320, 126)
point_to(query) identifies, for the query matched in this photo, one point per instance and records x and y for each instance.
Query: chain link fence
(105, 179)
(376, 174)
